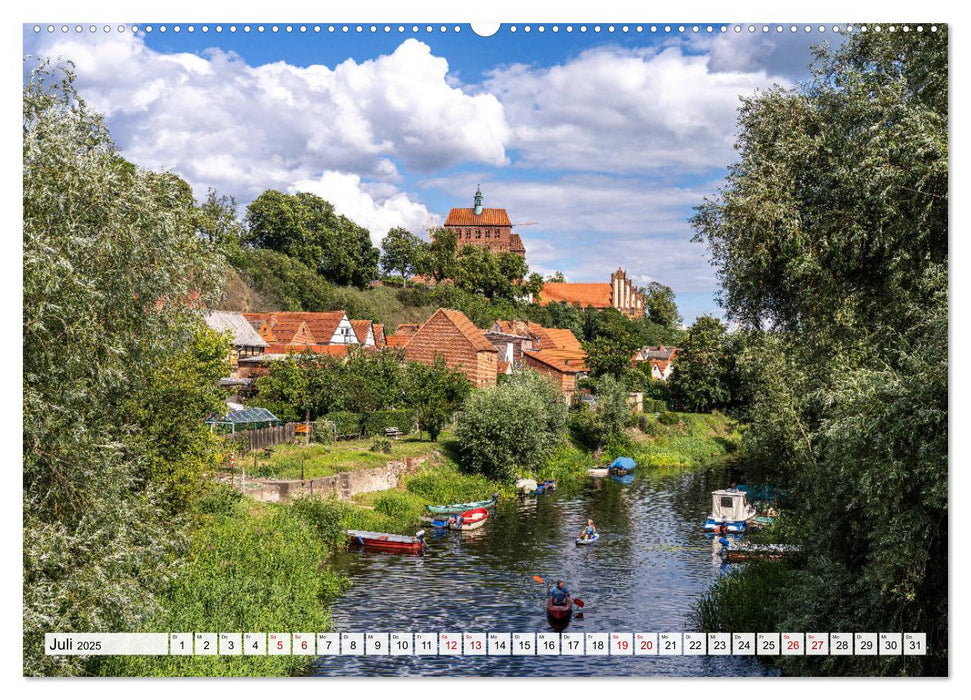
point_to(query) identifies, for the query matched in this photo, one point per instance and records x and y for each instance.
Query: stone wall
(343, 485)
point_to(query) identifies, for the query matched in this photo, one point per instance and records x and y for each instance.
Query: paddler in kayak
(587, 532)
(558, 593)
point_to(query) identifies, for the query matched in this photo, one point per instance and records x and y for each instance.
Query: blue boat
(548, 485)
(621, 466)
(729, 509)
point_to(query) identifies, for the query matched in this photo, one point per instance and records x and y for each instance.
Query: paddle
(576, 601)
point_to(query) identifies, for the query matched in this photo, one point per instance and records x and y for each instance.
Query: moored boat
(758, 552)
(621, 466)
(559, 612)
(729, 508)
(387, 542)
(548, 485)
(598, 472)
(456, 508)
(470, 519)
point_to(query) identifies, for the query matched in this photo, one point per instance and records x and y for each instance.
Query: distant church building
(487, 228)
(620, 293)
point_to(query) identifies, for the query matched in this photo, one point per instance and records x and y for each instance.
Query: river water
(651, 564)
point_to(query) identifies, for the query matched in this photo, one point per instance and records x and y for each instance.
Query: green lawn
(326, 460)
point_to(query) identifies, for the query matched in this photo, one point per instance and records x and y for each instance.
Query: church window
(478, 233)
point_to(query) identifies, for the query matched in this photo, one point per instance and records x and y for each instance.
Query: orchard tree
(435, 393)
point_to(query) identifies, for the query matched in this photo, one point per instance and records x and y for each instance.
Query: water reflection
(651, 564)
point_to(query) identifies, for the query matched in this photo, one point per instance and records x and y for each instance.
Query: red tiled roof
(549, 358)
(286, 331)
(563, 339)
(398, 341)
(360, 330)
(516, 244)
(595, 294)
(332, 350)
(468, 217)
(379, 339)
(407, 329)
(466, 328)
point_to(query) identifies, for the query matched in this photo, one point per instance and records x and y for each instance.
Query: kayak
(588, 540)
(387, 542)
(470, 519)
(559, 612)
(456, 508)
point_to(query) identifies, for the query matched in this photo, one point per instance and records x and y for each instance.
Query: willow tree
(113, 269)
(830, 238)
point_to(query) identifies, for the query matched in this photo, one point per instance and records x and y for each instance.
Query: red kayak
(387, 542)
(559, 612)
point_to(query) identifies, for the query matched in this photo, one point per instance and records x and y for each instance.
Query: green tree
(556, 277)
(218, 223)
(831, 232)
(181, 391)
(285, 389)
(611, 411)
(511, 427)
(306, 227)
(437, 260)
(435, 393)
(611, 343)
(699, 381)
(113, 269)
(401, 253)
(660, 305)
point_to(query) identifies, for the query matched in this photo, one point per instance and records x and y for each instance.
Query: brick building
(486, 228)
(620, 293)
(452, 335)
(552, 351)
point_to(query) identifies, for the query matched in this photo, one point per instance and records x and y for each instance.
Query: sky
(606, 140)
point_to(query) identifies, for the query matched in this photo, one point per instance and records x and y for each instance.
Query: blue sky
(606, 139)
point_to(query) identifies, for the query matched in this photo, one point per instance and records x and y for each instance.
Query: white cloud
(220, 122)
(375, 206)
(614, 109)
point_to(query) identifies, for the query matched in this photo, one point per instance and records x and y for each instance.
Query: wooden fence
(266, 437)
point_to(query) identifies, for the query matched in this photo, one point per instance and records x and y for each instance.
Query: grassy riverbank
(317, 460)
(255, 566)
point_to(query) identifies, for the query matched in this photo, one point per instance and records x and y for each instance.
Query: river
(651, 565)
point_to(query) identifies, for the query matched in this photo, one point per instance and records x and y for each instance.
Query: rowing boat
(559, 612)
(470, 519)
(387, 542)
(456, 508)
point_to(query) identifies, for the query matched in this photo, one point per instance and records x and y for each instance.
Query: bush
(511, 427)
(381, 444)
(668, 418)
(583, 428)
(325, 515)
(377, 422)
(655, 406)
(219, 499)
(400, 505)
(346, 424)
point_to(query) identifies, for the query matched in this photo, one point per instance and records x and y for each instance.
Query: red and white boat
(387, 542)
(470, 519)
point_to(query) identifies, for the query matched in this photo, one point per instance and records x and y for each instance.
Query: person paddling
(589, 531)
(558, 593)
